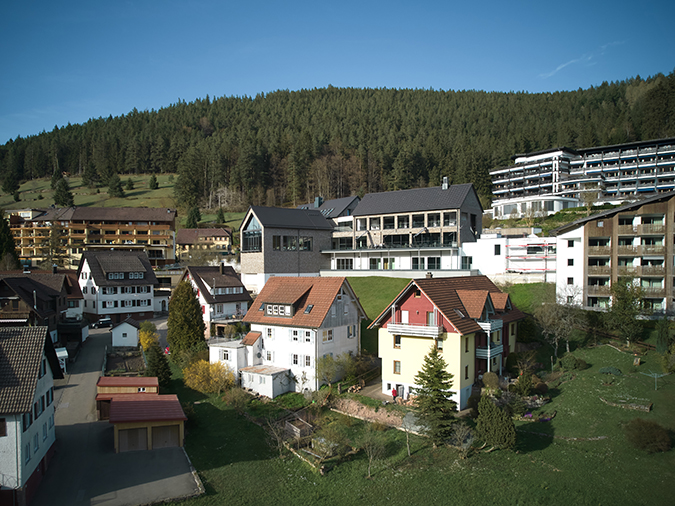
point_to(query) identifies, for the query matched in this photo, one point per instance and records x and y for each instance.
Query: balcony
(491, 325)
(651, 228)
(599, 269)
(488, 352)
(599, 250)
(417, 330)
(653, 249)
(598, 289)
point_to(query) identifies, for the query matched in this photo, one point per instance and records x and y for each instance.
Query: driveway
(85, 469)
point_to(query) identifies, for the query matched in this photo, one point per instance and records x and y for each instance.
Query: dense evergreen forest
(287, 147)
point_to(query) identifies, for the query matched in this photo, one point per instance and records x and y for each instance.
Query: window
(570, 299)
(570, 281)
(498, 249)
(308, 336)
(570, 243)
(276, 242)
(351, 331)
(418, 293)
(439, 344)
(270, 356)
(44, 431)
(136, 275)
(84, 290)
(270, 332)
(294, 359)
(115, 275)
(570, 262)
(36, 443)
(27, 453)
(467, 262)
(290, 243)
(345, 263)
(418, 263)
(141, 390)
(226, 355)
(466, 345)
(466, 372)
(397, 341)
(328, 336)
(374, 263)
(397, 367)
(308, 361)
(403, 221)
(433, 263)
(305, 244)
(3, 427)
(294, 334)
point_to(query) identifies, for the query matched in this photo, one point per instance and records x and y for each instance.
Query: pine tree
(153, 185)
(9, 259)
(494, 426)
(435, 406)
(185, 324)
(158, 365)
(62, 196)
(130, 185)
(193, 218)
(220, 216)
(115, 187)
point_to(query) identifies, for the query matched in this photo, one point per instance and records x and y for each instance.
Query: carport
(146, 422)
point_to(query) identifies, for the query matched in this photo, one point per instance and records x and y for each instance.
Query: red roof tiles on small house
(123, 381)
(146, 408)
(250, 338)
(473, 301)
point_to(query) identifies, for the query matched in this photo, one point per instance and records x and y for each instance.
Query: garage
(133, 439)
(146, 422)
(165, 436)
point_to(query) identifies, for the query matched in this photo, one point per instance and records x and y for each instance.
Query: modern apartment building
(81, 229)
(554, 179)
(635, 241)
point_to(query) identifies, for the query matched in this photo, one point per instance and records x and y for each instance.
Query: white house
(118, 284)
(294, 322)
(27, 435)
(125, 334)
(222, 296)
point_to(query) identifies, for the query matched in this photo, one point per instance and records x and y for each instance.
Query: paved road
(85, 469)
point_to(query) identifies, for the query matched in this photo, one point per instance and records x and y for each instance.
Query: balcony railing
(491, 325)
(489, 351)
(599, 269)
(598, 289)
(599, 250)
(418, 330)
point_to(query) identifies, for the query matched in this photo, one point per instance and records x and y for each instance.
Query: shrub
(491, 380)
(512, 364)
(541, 388)
(147, 338)
(208, 378)
(610, 370)
(494, 426)
(237, 398)
(523, 386)
(647, 435)
(569, 363)
(472, 404)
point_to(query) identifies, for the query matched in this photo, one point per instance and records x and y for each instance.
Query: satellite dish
(480, 376)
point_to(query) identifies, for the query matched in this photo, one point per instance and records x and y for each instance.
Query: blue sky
(69, 61)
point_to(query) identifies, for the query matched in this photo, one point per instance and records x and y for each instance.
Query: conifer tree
(9, 258)
(153, 185)
(115, 187)
(435, 406)
(193, 218)
(130, 185)
(220, 216)
(494, 426)
(62, 196)
(158, 365)
(185, 324)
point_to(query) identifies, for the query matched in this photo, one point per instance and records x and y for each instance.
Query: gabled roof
(416, 199)
(224, 276)
(21, 350)
(302, 293)
(250, 338)
(332, 208)
(31, 290)
(192, 235)
(461, 300)
(146, 408)
(632, 206)
(127, 381)
(102, 262)
(129, 321)
(278, 217)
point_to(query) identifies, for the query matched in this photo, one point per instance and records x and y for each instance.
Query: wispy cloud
(584, 59)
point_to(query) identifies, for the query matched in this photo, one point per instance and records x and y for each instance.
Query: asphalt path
(85, 469)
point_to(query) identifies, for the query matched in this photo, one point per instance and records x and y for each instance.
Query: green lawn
(237, 467)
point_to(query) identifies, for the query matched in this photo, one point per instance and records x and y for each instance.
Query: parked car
(103, 322)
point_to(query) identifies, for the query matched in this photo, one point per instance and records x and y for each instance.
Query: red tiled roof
(146, 408)
(250, 338)
(301, 292)
(122, 381)
(125, 396)
(473, 301)
(499, 300)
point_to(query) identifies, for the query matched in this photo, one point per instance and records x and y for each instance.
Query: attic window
(461, 315)
(115, 275)
(308, 309)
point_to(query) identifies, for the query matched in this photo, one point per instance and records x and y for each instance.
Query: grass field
(580, 457)
(38, 193)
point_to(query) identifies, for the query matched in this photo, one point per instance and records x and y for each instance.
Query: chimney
(318, 201)
(429, 275)
(54, 268)
(222, 268)
(445, 185)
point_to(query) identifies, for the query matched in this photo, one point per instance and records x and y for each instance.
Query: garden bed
(124, 363)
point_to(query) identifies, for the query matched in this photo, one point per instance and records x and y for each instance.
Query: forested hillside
(287, 147)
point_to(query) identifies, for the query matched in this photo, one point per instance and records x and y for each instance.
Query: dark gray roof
(204, 277)
(103, 262)
(31, 290)
(278, 217)
(192, 235)
(130, 321)
(20, 358)
(331, 208)
(134, 214)
(659, 197)
(417, 199)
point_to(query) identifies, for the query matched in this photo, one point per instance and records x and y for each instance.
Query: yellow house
(468, 319)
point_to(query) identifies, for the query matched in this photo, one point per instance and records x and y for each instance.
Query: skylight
(308, 309)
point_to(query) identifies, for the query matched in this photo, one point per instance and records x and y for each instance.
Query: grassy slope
(374, 293)
(237, 467)
(140, 196)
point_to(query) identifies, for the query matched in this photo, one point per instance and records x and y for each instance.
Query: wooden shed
(108, 387)
(146, 422)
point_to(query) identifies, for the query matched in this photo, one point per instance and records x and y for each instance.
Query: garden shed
(125, 334)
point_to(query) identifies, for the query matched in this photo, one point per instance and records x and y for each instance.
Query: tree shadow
(534, 436)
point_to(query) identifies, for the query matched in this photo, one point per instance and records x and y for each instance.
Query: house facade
(222, 296)
(81, 229)
(118, 284)
(404, 232)
(545, 182)
(282, 242)
(468, 319)
(636, 241)
(294, 322)
(198, 241)
(27, 430)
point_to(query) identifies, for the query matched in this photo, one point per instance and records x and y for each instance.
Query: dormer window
(278, 310)
(115, 275)
(136, 275)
